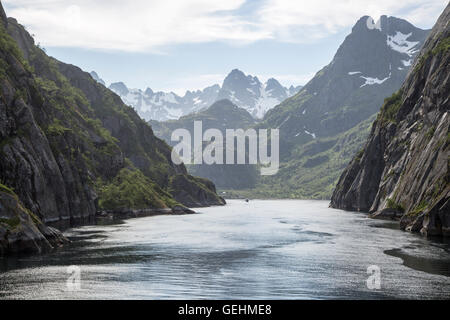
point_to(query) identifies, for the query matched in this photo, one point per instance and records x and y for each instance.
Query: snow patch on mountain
(248, 92)
(311, 134)
(399, 42)
(265, 102)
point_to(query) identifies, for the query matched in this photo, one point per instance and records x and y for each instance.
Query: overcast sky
(189, 44)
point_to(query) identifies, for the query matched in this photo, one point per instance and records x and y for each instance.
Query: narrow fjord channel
(258, 250)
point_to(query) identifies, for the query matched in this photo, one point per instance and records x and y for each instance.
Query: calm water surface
(257, 250)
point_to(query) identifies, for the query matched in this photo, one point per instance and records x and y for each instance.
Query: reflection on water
(257, 250)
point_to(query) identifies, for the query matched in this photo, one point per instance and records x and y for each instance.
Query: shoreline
(124, 214)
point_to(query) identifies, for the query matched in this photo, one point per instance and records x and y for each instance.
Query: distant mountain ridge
(245, 91)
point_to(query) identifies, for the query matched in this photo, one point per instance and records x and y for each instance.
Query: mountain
(70, 147)
(95, 76)
(329, 119)
(222, 115)
(165, 106)
(323, 125)
(369, 65)
(403, 170)
(327, 122)
(248, 92)
(293, 90)
(245, 91)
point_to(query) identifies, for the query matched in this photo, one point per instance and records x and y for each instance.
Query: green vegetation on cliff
(68, 143)
(390, 108)
(130, 188)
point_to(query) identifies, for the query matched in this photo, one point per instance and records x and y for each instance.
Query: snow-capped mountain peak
(245, 91)
(249, 93)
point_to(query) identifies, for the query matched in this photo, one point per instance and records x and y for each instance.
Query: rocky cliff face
(402, 172)
(69, 146)
(21, 230)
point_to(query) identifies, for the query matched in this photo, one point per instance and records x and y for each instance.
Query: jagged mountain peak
(120, 88)
(273, 81)
(96, 77)
(388, 34)
(276, 89)
(149, 92)
(236, 78)
(249, 93)
(245, 91)
(385, 24)
(236, 73)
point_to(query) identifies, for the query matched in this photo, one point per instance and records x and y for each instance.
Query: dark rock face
(20, 231)
(406, 159)
(193, 193)
(62, 135)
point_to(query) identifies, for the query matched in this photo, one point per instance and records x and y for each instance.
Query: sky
(179, 45)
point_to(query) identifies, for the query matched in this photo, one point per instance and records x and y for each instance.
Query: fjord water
(257, 250)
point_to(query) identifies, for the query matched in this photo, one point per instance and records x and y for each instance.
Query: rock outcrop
(69, 145)
(21, 230)
(404, 165)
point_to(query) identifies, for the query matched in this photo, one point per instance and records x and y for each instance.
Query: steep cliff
(402, 172)
(68, 145)
(21, 230)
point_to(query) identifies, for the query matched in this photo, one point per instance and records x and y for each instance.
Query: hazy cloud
(290, 21)
(148, 26)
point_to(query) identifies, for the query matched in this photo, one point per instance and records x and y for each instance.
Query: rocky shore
(139, 213)
(23, 232)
